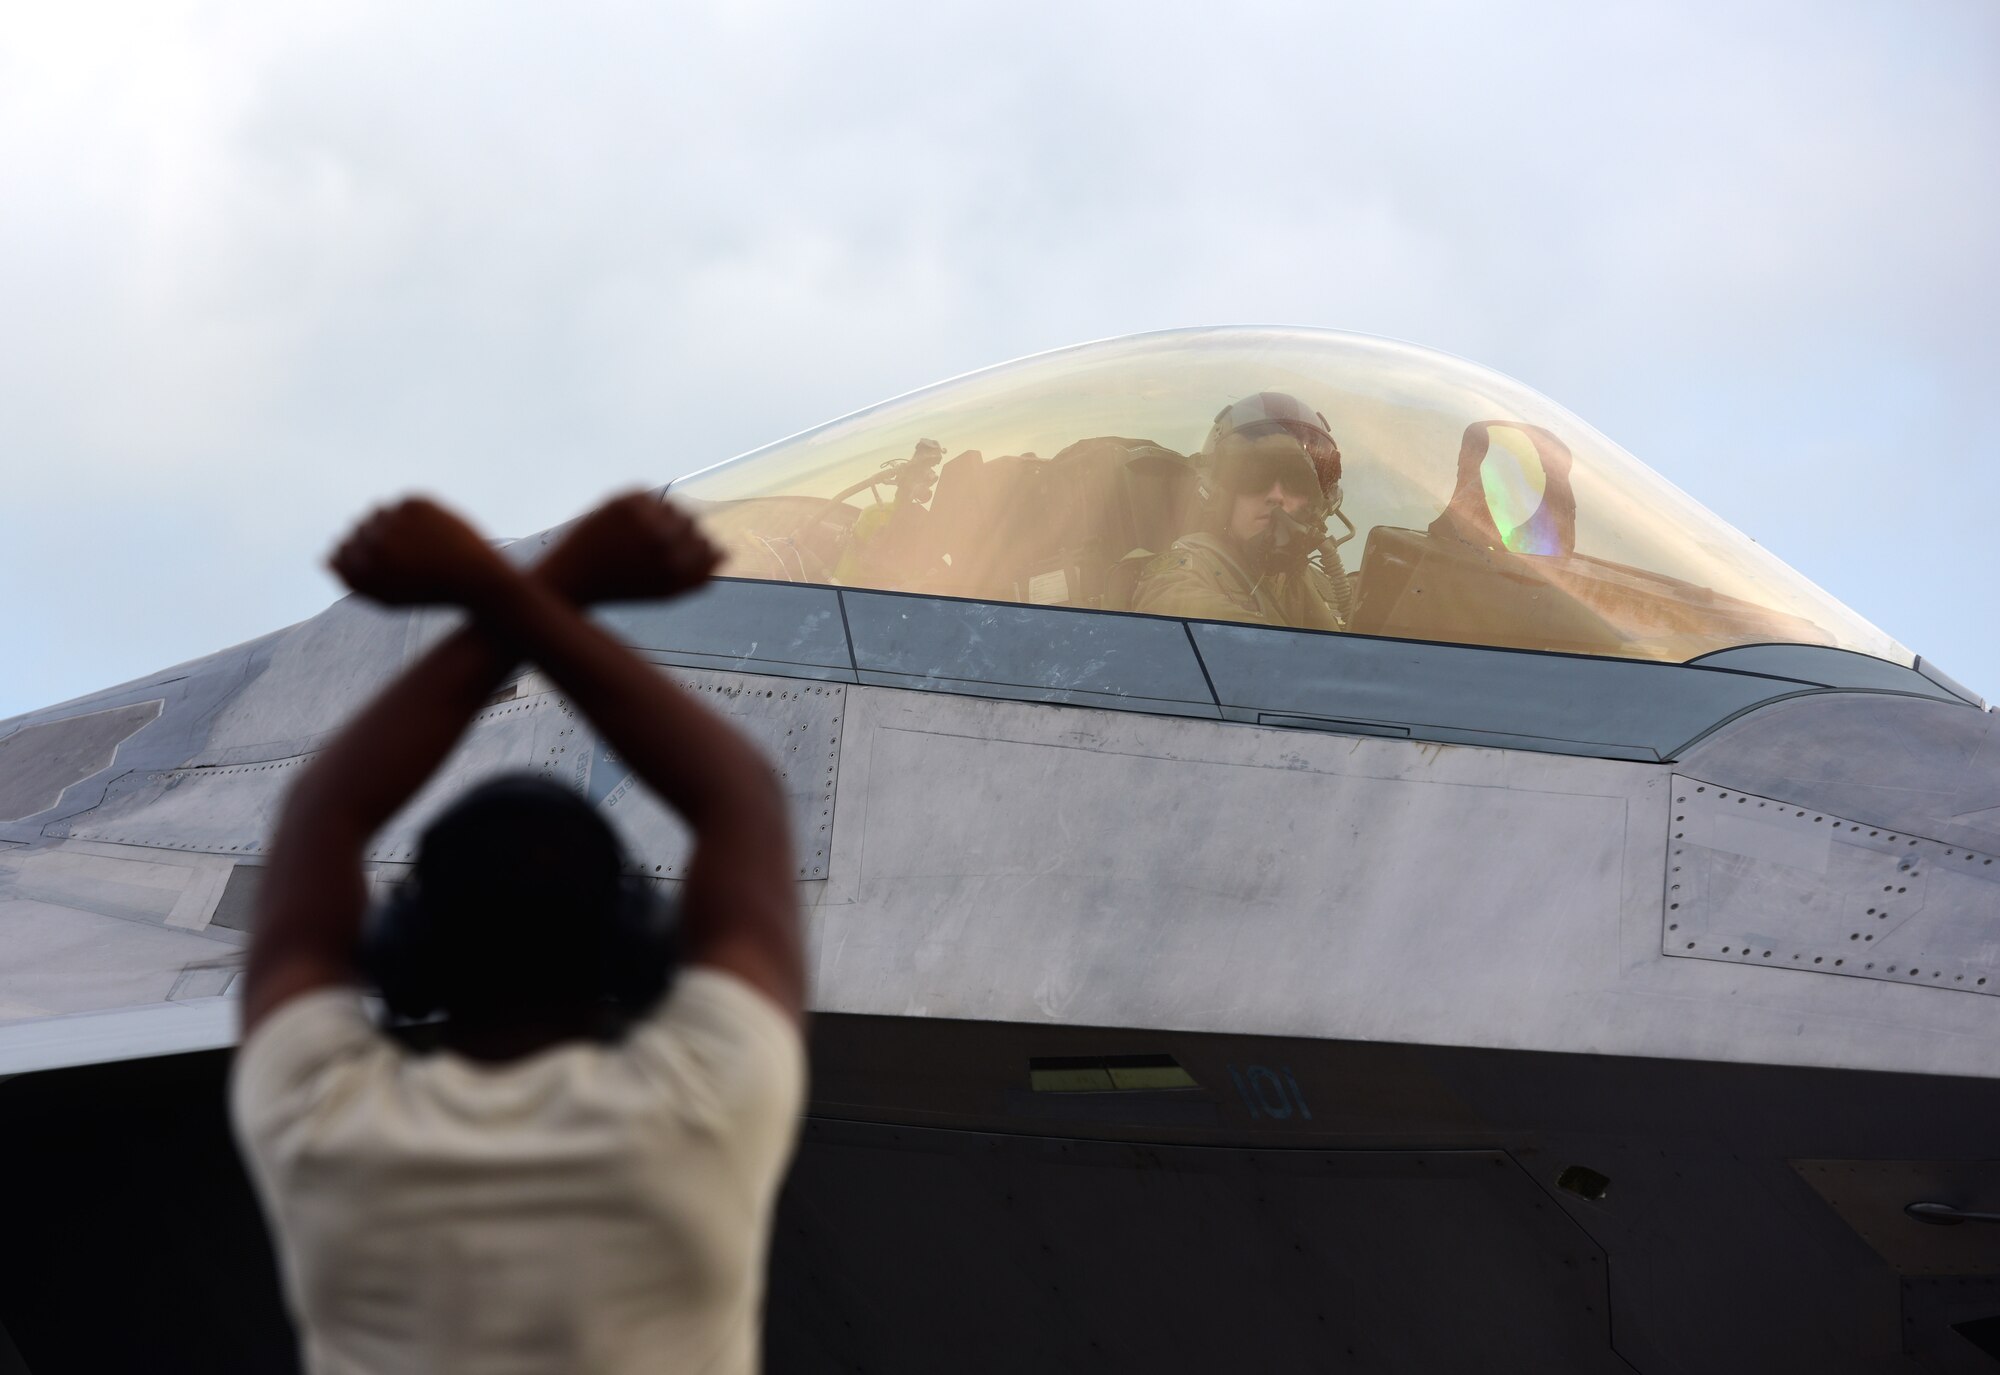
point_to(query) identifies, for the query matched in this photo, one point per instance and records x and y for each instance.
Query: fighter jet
(1315, 859)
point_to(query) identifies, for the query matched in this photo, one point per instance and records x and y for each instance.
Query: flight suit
(1200, 578)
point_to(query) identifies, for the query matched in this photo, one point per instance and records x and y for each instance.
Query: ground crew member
(568, 1182)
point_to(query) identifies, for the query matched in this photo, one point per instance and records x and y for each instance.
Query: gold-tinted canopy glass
(1290, 477)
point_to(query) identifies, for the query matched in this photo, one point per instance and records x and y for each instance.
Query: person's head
(1263, 475)
(518, 913)
(1271, 475)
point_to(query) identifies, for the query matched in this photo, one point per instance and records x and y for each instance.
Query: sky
(261, 266)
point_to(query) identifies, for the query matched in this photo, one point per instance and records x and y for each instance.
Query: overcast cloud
(261, 265)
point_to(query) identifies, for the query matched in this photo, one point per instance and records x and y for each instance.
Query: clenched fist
(417, 553)
(632, 548)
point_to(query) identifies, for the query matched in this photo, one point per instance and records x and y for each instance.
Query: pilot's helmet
(1236, 459)
(1269, 412)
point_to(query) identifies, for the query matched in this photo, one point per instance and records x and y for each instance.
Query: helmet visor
(1318, 445)
(1259, 468)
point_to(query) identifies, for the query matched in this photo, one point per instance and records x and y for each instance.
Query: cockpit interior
(1298, 478)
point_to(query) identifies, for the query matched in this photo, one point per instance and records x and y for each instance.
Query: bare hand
(417, 553)
(633, 548)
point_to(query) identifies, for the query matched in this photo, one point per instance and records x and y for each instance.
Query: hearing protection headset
(413, 954)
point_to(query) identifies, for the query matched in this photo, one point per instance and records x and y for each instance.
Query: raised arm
(314, 894)
(739, 906)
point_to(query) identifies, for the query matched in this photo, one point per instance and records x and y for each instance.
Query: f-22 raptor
(1315, 858)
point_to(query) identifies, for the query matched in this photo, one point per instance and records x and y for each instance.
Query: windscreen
(1295, 478)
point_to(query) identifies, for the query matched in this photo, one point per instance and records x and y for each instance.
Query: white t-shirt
(589, 1208)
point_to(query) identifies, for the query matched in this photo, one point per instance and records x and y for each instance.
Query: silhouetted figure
(580, 1176)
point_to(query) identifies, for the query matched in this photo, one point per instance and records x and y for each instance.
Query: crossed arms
(738, 906)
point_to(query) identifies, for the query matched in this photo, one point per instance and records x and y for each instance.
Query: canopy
(1483, 513)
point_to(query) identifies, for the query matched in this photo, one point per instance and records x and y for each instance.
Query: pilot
(1269, 481)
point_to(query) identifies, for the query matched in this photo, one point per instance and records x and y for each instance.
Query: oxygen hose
(1342, 586)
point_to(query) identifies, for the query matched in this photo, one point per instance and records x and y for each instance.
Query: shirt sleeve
(736, 1064)
(292, 1062)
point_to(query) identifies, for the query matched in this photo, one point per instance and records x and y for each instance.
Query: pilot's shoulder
(1178, 557)
(1197, 548)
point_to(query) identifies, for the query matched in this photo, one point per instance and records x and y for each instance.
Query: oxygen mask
(1291, 539)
